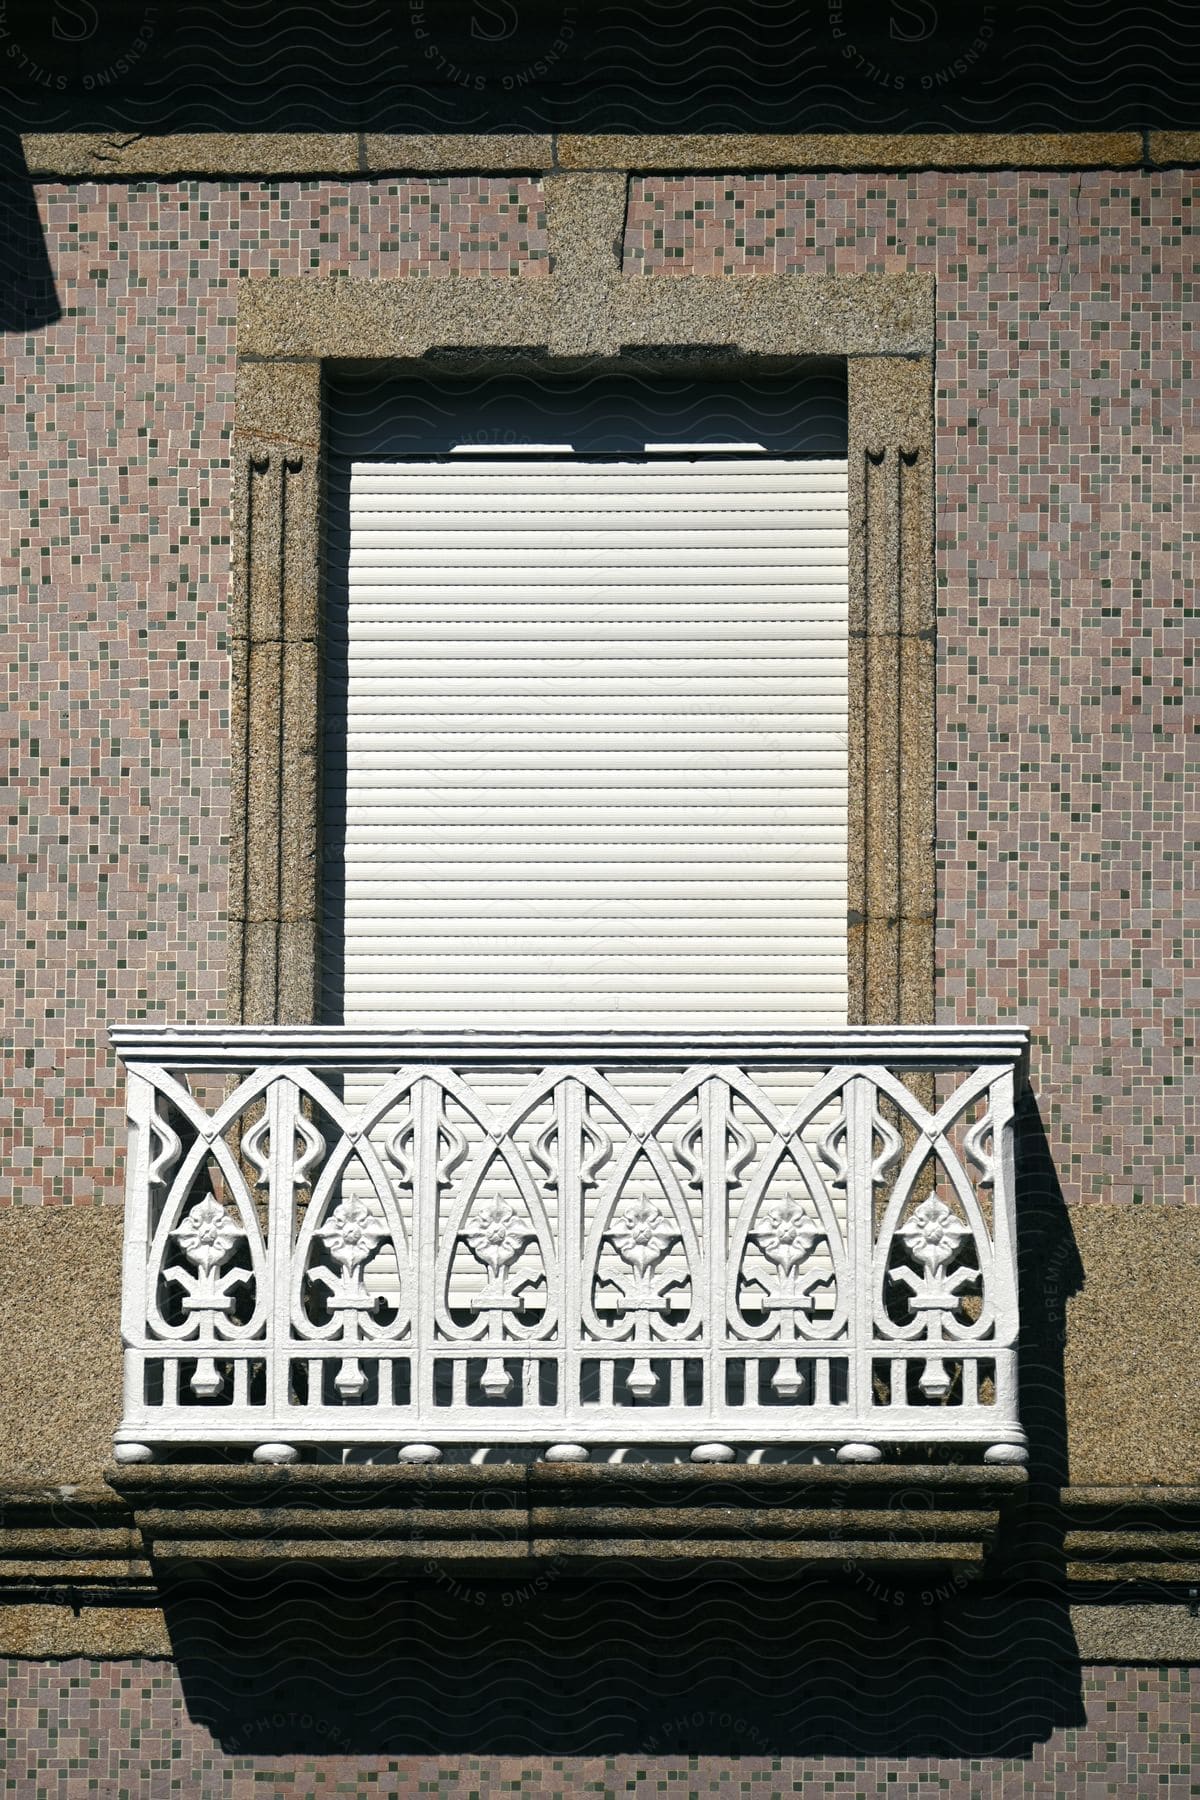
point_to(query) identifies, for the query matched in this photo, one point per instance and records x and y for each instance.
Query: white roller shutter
(588, 743)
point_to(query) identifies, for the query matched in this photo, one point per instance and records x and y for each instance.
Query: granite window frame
(583, 312)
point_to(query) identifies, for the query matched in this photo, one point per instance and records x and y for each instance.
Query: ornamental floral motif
(208, 1234)
(787, 1235)
(644, 1235)
(352, 1232)
(933, 1234)
(497, 1237)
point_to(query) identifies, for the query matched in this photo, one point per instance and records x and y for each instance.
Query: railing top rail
(346, 1047)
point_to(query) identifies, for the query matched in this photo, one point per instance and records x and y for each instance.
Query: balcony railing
(359, 1243)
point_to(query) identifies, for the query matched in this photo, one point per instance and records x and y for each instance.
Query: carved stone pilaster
(275, 722)
(892, 690)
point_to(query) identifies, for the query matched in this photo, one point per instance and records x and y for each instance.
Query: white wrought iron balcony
(349, 1243)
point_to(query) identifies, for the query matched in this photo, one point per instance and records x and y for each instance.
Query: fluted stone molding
(275, 712)
(892, 895)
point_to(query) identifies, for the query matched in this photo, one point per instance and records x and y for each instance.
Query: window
(586, 705)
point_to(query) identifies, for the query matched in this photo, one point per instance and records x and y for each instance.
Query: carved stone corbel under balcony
(500, 1519)
(92, 1572)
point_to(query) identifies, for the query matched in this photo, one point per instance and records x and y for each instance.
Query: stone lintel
(322, 318)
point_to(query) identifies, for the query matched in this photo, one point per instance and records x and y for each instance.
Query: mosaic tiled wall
(122, 1731)
(116, 422)
(1067, 453)
(1067, 442)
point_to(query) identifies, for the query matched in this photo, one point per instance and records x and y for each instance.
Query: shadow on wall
(1050, 1271)
(28, 297)
(764, 1661)
(698, 1662)
(131, 66)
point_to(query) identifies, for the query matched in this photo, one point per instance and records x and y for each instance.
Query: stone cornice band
(275, 156)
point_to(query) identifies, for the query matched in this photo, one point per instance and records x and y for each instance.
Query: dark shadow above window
(793, 410)
(614, 65)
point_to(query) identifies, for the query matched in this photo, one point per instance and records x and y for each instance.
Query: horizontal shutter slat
(629, 862)
(468, 751)
(497, 896)
(583, 527)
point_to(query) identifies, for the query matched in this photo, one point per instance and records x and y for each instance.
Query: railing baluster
(1001, 1102)
(714, 1104)
(281, 1111)
(859, 1102)
(426, 1105)
(569, 1102)
(137, 1278)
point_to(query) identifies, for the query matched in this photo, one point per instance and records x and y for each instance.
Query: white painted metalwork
(701, 1245)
